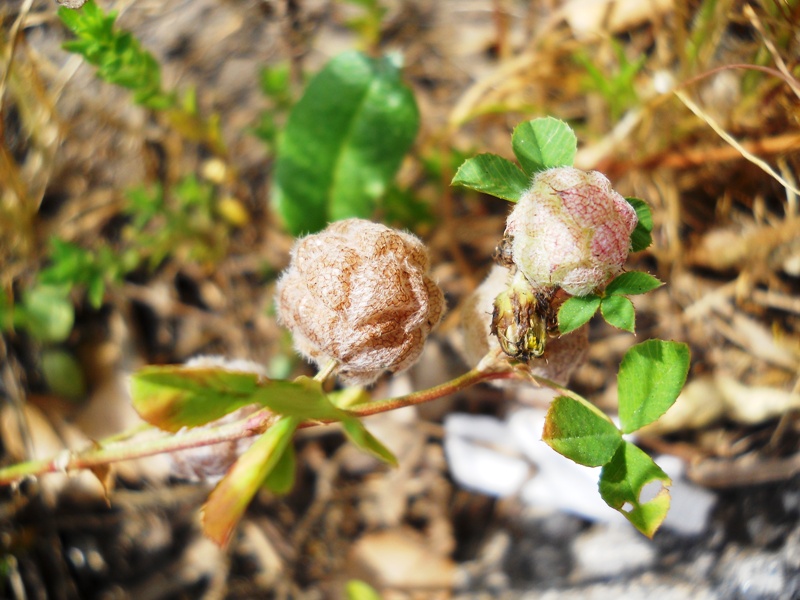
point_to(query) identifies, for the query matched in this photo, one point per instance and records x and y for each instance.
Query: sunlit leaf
(633, 283)
(492, 174)
(580, 433)
(229, 499)
(577, 311)
(543, 144)
(623, 481)
(171, 397)
(358, 590)
(618, 311)
(343, 142)
(650, 378)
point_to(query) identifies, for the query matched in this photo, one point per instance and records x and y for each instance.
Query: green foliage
(580, 432)
(650, 378)
(280, 480)
(72, 266)
(229, 499)
(46, 312)
(641, 237)
(358, 590)
(617, 88)
(538, 145)
(63, 374)
(367, 24)
(118, 56)
(576, 312)
(622, 482)
(173, 397)
(343, 142)
(543, 144)
(492, 174)
(183, 222)
(275, 85)
(615, 308)
(618, 311)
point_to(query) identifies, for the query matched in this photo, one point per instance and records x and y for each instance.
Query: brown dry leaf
(706, 399)
(402, 558)
(593, 17)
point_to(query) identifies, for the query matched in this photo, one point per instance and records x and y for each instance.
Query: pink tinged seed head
(570, 230)
(359, 293)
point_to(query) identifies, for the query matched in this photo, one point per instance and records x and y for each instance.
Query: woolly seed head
(570, 230)
(360, 293)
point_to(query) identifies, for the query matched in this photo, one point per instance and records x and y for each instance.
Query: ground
(717, 162)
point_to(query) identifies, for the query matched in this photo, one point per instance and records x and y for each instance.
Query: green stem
(470, 378)
(130, 448)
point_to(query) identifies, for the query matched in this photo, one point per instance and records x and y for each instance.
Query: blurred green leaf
(229, 499)
(175, 396)
(171, 397)
(577, 311)
(358, 590)
(641, 237)
(63, 374)
(492, 174)
(632, 284)
(618, 311)
(46, 312)
(621, 484)
(650, 378)
(358, 434)
(581, 433)
(543, 144)
(281, 479)
(343, 142)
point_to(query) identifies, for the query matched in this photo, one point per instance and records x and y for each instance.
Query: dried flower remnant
(570, 230)
(359, 293)
(561, 356)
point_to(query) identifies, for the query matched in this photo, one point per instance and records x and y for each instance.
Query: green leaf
(358, 590)
(621, 484)
(171, 397)
(577, 311)
(641, 237)
(492, 174)
(281, 479)
(632, 284)
(618, 311)
(580, 432)
(343, 143)
(46, 313)
(650, 378)
(229, 499)
(175, 396)
(63, 374)
(543, 144)
(358, 434)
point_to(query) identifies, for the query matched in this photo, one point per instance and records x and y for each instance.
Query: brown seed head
(360, 293)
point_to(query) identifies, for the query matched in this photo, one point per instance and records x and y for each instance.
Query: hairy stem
(129, 448)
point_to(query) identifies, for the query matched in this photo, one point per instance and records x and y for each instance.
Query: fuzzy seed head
(570, 230)
(360, 293)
